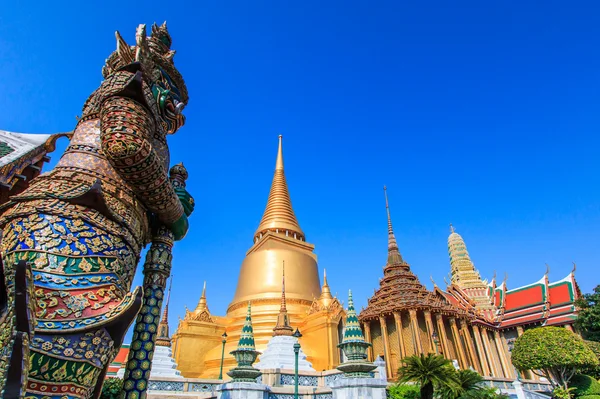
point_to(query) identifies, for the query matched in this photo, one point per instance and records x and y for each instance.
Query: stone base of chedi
(280, 355)
(163, 365)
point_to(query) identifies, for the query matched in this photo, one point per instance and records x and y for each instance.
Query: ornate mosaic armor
(81, 227)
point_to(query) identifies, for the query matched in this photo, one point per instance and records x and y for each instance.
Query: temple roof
(20, 152)
(201, 313)
(400, 289)
(279, 215)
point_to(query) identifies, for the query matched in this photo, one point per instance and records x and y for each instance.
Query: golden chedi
(278, 240)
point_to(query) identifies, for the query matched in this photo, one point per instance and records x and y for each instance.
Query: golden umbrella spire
(394, 256)
(202, 305)
(326, 298)
(163, 327)
(279, 215)
(283, 322)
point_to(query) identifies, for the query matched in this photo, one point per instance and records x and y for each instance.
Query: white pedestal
(358, 388)
(242, 390)
(519, 389)
(163, 365)
(279, 354)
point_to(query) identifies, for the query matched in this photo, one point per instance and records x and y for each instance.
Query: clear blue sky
(482, 115)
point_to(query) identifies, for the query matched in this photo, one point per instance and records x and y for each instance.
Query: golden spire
(462, 271)
(279, 215)
(394, 256)
(162, 338)
(326, 298)
(283, 323)
(202, 305)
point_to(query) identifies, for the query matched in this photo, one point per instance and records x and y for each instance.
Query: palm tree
(429, 371)
(467, 386)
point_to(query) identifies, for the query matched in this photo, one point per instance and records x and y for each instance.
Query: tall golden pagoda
(464, 275)
(278, 241)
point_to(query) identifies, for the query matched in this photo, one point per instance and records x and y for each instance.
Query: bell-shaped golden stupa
(278, 241)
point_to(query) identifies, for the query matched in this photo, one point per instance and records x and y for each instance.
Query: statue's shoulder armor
(126, 82)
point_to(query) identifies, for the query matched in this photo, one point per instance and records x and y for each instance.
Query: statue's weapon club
(157, 269)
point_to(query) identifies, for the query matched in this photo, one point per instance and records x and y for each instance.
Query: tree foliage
(593, 371)
(584, 385)
(466, 381)
(552, 352)
(428, 371)
(588, 317)
(404, 391)
(111, 388)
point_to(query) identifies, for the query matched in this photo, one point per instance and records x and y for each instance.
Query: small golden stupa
(278, 241)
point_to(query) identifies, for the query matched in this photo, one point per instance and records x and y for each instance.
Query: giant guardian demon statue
(72, 240)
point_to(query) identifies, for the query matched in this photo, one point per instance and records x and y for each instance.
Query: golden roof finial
(431, 278)
(202, 304)
(325, 298)
(451, 228)
(279, 215)
(547, 270)
(283, 323)
(394, 256)
(574, 268)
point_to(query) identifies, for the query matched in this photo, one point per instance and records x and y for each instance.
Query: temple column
(386, 347)
(482, 359)
(458, 343)
(489, 354)
(469, 343)
(414, 324)
(502, 352)
(367, 327)
(398, 320)
(443, 337)
(429, 326)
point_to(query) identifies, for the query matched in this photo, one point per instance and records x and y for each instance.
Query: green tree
(588, 317)
(552, 352)
(428, 371)
(111, 388)
(466, 381)
(594, 371)
(404, 391)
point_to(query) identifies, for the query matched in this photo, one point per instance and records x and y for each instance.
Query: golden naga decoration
(72, 239)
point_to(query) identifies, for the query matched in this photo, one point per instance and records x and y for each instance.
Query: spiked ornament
(245, 354)
(354, 347)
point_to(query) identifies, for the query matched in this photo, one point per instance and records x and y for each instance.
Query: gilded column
(502, 353)
(386, 346)
(414, 324)
(398, 320)
(429, 325)
(458, 343)
(489, 354)
(469, 343)
(367, 327)
(482, 358)
(443, 337)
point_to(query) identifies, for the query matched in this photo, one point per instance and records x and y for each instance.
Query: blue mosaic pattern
(195, 387)
(169, 386)
(303, 380)
(332, 377)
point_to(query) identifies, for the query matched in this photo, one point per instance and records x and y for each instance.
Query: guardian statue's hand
(186, 200)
